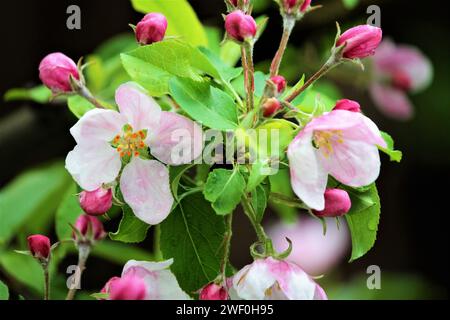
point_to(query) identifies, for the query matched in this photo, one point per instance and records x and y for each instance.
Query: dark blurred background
(414, 231)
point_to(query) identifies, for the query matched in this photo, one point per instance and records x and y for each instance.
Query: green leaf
(79, 106)
(260, 196)
(4, 292)
(260, 83)
(175, 176)
(224, 189)
(350, 4)
(395, 155)
(24, 269)
(153, 66)
(226, 72)
(120, 253)
(363, 220)
(131, 229)
(67, 213)
(204, 103)
(193, 236)
(33, 194)
(281, 183)
(230, 53)
(182, 20)
(39, 94)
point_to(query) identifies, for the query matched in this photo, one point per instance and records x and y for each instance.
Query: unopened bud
(280, 83)
(96, 203)
(337, 204)
(347, 105)
(240, 26)
(270, 107)
(55, 71)
(152, 28)
(213, 292)
(89, 227)
(39, 246)
(360, 42)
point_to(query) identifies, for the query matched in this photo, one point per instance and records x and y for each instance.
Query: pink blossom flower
(55, 71)
(313, 251)
(147, 281)
(271, 279)
(340, 143)
(213, 291)
(360, 42)
(240, 26)
(398, 70)
(107, 140)
(39, 246)
(152, 28)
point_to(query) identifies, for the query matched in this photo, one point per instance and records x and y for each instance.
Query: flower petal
(160, 282)
(295, 283)
(141, 110)
(392, 102)
(353, 163)
(320, 294)
(308, 176)
(252, 282)
(145, 188)
(98, 125)
(178, 140)
(92, 165)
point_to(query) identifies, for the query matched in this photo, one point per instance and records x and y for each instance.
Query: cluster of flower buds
(40, 247)
(152, 28)
(97, 202)
(240, 26)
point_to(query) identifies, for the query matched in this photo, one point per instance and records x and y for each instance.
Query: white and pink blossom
(109, 141)
(272, 279)
(342, 144)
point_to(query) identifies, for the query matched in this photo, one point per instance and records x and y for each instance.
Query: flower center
(325, 140)
(130, 143)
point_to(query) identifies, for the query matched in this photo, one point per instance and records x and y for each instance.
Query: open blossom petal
(308, 176)
(392, 102)
(270, 279)
(145, 188)
(178, 140)
(160, 282)
(98, 125)
(141, 111)
(92, 165)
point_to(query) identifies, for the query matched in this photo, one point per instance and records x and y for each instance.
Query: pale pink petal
(353, 163)
(98, 125)
(160, 282)
(252, 282)
(308, 176)
(142, 112)
(178, 140)
(392, 102)
(313, 251)
(296, 284)
(92, 165)
(145, 188)
(320, 294)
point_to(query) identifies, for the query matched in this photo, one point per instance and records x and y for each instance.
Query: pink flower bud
(152, 28)
(305, 5)
(280, 82)
(55, 71)
(402, 80)
(347, 105)
(128, 287)
(236, 2)
(337, 204)
(39, 246)
(213, 292)
(96, 203)
(270, 107)
(85, 222)
(289, 4)
(360, 42)
(240, 26)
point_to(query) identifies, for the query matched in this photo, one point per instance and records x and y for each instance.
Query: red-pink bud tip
(360, 42)
(128, 287)
(280, 82)
(270, 107)
(55, 71)
(85, 222)
(240, 26)
(347, 105)
(39, 246)
(289, 4)
(213, 292)
(96, 203)
(152, 28)
(337, 204)
(402, 80)
(236, 2)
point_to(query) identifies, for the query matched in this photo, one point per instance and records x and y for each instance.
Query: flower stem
(83, 254)
(262, 236)
(227, 241)
(84, 92)
(287, 201)
(288, 26)
(249, 73)
(330, 64)
(157, 243)
(46, 281)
